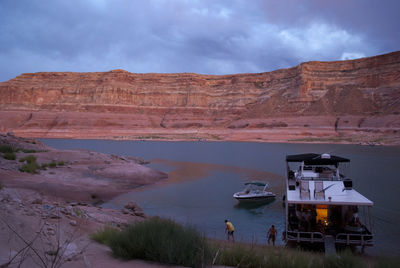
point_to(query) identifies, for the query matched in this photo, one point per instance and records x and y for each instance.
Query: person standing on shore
(272, 235)
(229, 229)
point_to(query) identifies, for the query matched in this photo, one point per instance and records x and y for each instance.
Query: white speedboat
(254, 192)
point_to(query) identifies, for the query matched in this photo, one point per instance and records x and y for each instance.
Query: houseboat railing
(305, 236)
(354, 239)
(341, 238)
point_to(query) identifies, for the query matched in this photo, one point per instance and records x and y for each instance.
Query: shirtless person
(272, 234)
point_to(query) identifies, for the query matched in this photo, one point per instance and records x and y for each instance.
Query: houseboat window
(322, 214)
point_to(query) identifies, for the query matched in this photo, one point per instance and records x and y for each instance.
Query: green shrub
(103, 236)
(345, 259)
(29, 167)
(60, 163)
(10, 156)
(239, 255)
(52, 164)
(6, 149)
(44, 166)
(161, 240)
(29, 159)
(244, 255)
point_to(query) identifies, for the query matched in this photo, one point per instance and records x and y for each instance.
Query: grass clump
(44, 166)
(28, 159)
(9, 156)
(242, 255)
(164, 241)
(103, 236)
(6, 149)
(28, 151)
(52, 164)
(239, 255)
(8, 152)
(159, 240)
(31, 165)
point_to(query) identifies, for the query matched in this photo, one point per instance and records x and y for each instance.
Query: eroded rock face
(122, 101)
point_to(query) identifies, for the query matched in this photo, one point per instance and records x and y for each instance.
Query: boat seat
(319, 192)
(304, 190)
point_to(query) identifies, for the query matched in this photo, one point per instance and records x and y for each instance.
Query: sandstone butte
(353, 101)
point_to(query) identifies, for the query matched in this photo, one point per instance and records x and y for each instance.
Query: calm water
(204, 175)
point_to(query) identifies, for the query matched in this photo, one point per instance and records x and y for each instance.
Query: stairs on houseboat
(330, 248)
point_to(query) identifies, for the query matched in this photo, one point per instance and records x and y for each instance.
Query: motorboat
(254, 192)
(322, 206)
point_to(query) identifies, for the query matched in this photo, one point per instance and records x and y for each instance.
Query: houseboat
(322, 208)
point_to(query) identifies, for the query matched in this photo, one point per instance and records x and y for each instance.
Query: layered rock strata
(333, 100)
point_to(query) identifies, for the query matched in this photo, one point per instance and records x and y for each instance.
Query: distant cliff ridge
(360, 95)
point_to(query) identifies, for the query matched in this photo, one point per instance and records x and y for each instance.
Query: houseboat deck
(325, 192)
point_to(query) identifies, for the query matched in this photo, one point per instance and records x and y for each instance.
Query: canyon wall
(313, 99)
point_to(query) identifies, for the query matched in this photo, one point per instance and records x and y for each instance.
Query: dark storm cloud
(205, 36)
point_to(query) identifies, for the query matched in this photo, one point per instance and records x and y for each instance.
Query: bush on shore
(52, 164)
(104, 236)
(9, 156)
(6, 149)
(8, 152)
(28, 159)
(159, 240)
(31, 165)
(164, 241)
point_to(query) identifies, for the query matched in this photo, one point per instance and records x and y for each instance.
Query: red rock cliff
(356, 90)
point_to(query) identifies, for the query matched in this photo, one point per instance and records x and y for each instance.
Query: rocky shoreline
(50, 214)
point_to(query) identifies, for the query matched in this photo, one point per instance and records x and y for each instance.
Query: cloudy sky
(201, 36)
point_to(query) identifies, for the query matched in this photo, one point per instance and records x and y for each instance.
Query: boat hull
(254, 199)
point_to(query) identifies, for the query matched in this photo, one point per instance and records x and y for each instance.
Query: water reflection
(255, 208)
(254, 205)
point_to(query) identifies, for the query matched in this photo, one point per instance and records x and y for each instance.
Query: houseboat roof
(334, 193)
(316, 159)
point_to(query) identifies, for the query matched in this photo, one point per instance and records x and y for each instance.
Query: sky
(199, 36)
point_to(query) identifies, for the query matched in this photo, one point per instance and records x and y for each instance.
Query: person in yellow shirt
(229, 229)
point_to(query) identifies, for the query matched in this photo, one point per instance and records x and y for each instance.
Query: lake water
(204, 175)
